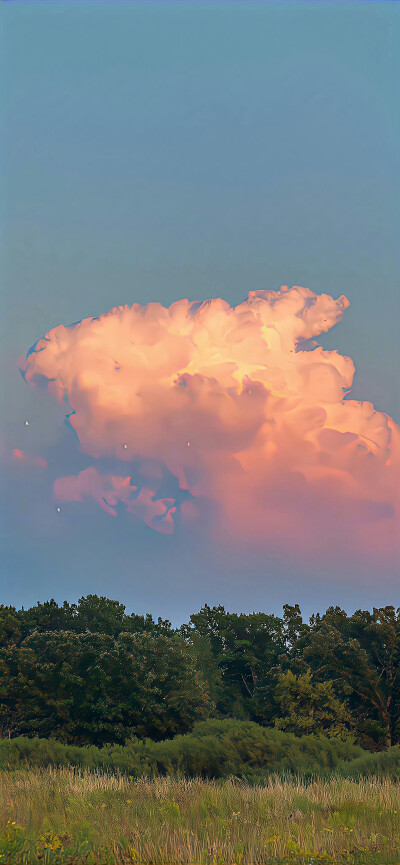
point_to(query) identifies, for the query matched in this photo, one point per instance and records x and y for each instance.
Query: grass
(75, 816)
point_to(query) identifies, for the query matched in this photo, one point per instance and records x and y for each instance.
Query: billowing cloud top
(238, 410)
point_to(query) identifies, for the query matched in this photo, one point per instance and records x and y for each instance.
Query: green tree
(247, 650)
(10, 698)
(92, 614)
(309, 706)
(204, 661)
(92, 688)
(296, 636)
(46, 617)
(98, 616)
(10, 626)
(361, 655)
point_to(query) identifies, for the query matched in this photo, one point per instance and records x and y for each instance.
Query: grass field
(66, 816)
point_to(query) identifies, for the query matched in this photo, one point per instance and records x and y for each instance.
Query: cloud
(241, 408)
(29, 459)
(109, 491)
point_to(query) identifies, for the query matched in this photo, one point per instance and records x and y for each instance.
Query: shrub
(214, 749)
(383, 763)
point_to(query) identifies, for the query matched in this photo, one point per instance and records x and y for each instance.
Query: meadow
(65, 815)
(234, 739)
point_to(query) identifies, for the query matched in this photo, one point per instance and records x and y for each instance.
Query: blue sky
(153, 151)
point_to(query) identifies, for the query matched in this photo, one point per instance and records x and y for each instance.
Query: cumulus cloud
(241, 407)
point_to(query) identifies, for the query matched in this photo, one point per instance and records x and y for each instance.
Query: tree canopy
(90, 673)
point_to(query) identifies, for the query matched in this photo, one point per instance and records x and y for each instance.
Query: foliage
(89, 673)
(340, 665)
(92, 688)
(98, 615)
(246, 649)
(382, 764)
(361, 655)
(310, 706)
(214, 749)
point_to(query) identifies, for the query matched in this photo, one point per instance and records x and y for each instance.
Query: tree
(296, 635)
(10, 626)
(92, 614)
(46, 617)
(309, 707)
(92, 688)
(89, 672)
(246, 649)
(361, 655)
(98, 616)
(204, 661)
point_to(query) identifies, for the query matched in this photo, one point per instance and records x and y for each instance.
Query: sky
(159, 151)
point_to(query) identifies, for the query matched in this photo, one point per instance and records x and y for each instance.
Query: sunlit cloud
(241, 408)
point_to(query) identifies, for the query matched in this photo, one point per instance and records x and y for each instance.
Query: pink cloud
(29, 459)
(109, 491)
(226, 401)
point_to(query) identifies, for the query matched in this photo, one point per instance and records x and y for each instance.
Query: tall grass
(70, 815)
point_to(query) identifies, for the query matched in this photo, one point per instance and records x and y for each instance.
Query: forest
(91, 674)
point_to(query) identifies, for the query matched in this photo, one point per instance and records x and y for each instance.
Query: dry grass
(65, 816)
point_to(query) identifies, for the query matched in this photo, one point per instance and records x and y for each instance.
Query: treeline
(90, 674)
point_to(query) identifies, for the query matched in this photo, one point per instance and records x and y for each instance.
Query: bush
(383, 763)
(214, 749)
